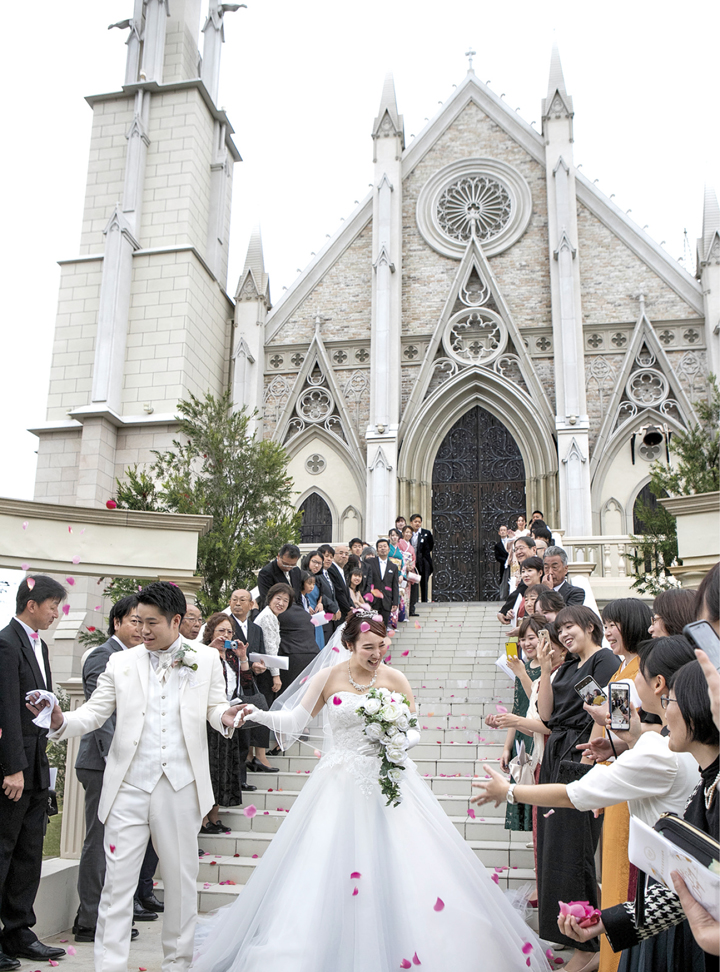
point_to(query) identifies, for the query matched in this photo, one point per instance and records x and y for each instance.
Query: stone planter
(698, 531)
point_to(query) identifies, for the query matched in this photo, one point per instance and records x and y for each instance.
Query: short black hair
(120, 610)
(582, 616)
(166, 597)
(416, 516)
(381, 540)
(689, 686)
(541, 532)
(289, 550)
(400, 517)
(355, 540)
(676, 607)
(326, 548)
(664, 656)
(42, 589)
(549, 601)
(632, 616)
(305, 575)
(305, 562)
(532, 563)
(529, 541)
(708, 594)
(542, 515)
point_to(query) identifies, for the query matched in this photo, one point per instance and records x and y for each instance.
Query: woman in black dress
(567, 839)
(665, 943)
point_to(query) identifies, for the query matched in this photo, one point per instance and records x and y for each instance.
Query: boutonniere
(186, 664)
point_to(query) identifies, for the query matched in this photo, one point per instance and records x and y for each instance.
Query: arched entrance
(478, 484)
(316, 524)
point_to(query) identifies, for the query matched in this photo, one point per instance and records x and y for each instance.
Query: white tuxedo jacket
(122, 688)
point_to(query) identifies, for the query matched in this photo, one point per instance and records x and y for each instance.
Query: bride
(350, 883)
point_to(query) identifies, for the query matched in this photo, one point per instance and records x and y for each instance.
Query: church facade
(485, 335)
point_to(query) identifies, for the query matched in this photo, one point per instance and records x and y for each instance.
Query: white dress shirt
(34, 637)
(243, 627)
(383, 567)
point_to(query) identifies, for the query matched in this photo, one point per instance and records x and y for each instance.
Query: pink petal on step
(76, 559)
(96, 608)
(24, 566)
(549, 813)
(69, 529)
(417, 624)
(355, 891)
(439, 905)
(30, 583)
(337, 700)
(405, 653)
(70, 580)
(471, 813)
(355, 876)
(25, 525)
(254, 857)
(494, 877)
(71, 950)
(250, 811)
(54, 963)
(66, 609)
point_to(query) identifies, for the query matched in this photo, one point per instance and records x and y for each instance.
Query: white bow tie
(163, 662)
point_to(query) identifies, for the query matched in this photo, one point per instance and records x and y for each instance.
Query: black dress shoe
(274, 752)
(83, 934)
(36, 951)
(7, 963)
(151, 903)
(143, 914)
(247, 787)
(134, 933)
(262, 768)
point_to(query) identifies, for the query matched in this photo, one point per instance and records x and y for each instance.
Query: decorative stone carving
(315, 464)
(595, 340)
(475, 337)
(411, 352)
(645, 358)
(340, 357)
(276, 360)
(647, 387)
(599, 372)
(362, 355)
(297, 359)
(691, 335)
(443, 368)
(649, 452)
(666, 336)
(619, 339)
(482, 198)
(276, 395)
(543, 343)
(315, 404)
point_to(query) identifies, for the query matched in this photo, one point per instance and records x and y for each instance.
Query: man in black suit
(24, 667)
(123, 633)
(555, 565)
(383, 582)
(500, 551)
(423, 542)
(336, 570)
(282, 570)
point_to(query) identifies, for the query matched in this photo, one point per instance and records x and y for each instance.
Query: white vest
(161, 748)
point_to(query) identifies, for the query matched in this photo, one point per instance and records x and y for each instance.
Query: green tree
(695, 469)
(220, 469)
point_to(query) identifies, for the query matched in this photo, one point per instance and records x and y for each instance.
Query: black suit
(570, 594)
(501, 556)
(297, 642)
(342, 594)
(389, 585)
(424, 566)
(272, 574)
(90, 770)
(22, 749)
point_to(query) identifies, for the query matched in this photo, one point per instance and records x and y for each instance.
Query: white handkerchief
(43, 719)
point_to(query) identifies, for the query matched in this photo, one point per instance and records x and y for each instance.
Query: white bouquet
(387, 718)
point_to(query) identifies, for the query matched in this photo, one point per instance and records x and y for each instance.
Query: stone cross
(470, 54)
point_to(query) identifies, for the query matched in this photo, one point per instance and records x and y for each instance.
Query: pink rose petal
(54, 963)
(527, 962)
(317, 754)
(111, 504)
(69, 529)
(112, 848)
(355, 891)
(24, 566)
(549, 954)
(416, 960)
(501, 709)
(391, 633)
(364, 626)
(96, 608)
(70, 580)
(417, 624)
(336, 700)
(405, 653)
(387, 659)
(250, 811)
(76, 559)
(71, 950)
(254, 856)
(439, 905)
(527, 948)
(471, 813)
(355, 876)
(334, 649)
(494, 877)
(406, 964)
(25, 525)
(66, 609)
(368, 597)
(388, 588)
(30, 581)
(328, 616)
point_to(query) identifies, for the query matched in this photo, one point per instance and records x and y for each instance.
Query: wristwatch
(510, 796)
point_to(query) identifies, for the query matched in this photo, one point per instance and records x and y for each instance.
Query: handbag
(413, 578)
(520, 767)
(569, 771)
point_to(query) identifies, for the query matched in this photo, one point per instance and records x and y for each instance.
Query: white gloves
(290, 722)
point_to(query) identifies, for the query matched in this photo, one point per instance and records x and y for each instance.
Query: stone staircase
(448, 654)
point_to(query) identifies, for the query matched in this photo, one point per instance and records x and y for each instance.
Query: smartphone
(590, 692)
(700, 634)
(512, 649)
(619, 705)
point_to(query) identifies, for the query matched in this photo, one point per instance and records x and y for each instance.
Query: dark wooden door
(316, 524)
(478, 485)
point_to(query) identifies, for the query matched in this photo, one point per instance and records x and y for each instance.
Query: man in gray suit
(124, 632)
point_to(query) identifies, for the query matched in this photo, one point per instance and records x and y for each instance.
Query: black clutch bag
(570, 772)
(688, 838)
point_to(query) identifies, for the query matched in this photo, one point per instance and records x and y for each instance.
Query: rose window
(474, 206)
(315, 404)
(647, 387)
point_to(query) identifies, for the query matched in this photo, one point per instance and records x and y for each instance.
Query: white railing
(608, 553)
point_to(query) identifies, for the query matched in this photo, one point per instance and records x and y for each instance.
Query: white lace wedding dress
(299, 911)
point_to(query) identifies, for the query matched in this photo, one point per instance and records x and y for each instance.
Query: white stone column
(219, 171)
(252, 303)
(214, 38)
(708, 270)
(153, 54)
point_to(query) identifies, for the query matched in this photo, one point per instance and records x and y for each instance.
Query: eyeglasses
(665, 701)
(654, 618)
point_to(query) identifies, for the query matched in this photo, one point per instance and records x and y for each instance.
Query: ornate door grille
(478, 485)
(316, 525)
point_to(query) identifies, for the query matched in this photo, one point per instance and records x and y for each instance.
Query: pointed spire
(711, 218)
(558, 101)
(254, 282)
(388, 121)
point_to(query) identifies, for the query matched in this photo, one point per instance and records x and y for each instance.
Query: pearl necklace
(708, 792)
(361, 688)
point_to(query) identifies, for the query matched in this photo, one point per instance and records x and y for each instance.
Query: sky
(301, 83)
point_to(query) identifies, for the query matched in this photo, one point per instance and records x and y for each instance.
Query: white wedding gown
(298, 912)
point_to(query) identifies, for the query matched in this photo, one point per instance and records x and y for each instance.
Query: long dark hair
(689, 686)
(632, 616)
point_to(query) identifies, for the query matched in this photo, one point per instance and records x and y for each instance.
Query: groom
(157, 778)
